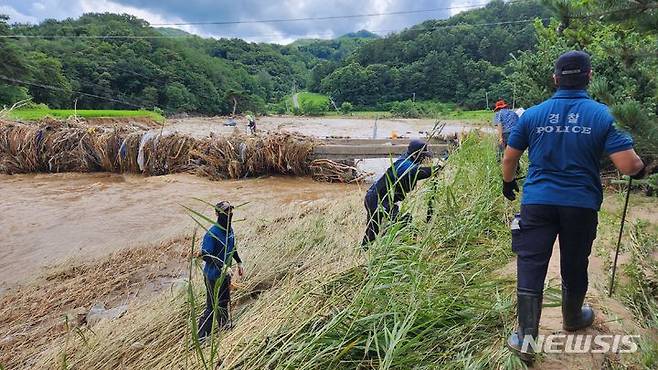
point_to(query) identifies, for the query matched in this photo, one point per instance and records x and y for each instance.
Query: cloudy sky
(168, 12)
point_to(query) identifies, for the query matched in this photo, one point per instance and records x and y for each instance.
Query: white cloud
(194, 11)
(102, 6)
(15, 16)
(38, 7)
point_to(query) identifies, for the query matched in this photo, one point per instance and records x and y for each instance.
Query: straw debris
(70, 146)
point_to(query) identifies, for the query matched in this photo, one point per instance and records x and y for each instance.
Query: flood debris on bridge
(65, 146)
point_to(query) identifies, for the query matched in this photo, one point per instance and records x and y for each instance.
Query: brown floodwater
(320, 126)
(46, 219)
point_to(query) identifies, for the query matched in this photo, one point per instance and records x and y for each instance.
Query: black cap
(223, 207)
(573, 67)
(418, 146)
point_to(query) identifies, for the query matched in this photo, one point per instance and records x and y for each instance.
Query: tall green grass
(428, 296)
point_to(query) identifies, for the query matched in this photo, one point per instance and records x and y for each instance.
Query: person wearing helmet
(217, 251)
(393, 186)
(566, 136)
(504, 120)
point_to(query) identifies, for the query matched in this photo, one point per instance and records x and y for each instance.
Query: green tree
(621, 50)
(12, 66)
(48, 71)
(179, 99)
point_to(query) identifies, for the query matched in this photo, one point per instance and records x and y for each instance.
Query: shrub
(405, 109)
(346, 107)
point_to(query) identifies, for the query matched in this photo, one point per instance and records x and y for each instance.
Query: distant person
(566, 136)
(217, 250)
(504, 120)
(251, 123)
(393, 186)
(231, 122)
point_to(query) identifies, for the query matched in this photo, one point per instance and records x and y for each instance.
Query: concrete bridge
(345, 149)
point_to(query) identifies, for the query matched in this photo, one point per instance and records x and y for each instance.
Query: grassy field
(470, 116)
(320, 105)
(39, 113)
(477, 117)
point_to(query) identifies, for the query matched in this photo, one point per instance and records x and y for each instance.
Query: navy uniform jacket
(567, 136)
(396, 182)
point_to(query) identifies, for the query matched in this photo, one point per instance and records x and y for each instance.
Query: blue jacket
(567, 136)
(394, 185)
(218, 247)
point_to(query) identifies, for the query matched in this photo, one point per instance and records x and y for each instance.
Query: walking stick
(621, 231)
(430, 203)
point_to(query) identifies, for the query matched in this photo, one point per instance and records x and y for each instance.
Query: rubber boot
(575, 315)
(529, 313)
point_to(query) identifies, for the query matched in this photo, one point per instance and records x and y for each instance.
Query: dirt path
(612, 317)
(47, 219)
(295, 100)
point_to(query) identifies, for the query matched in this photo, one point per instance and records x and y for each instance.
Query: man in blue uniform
(566, 137)
(217, 250)
(393, 186)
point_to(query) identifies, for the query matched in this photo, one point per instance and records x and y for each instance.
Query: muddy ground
(321, 127)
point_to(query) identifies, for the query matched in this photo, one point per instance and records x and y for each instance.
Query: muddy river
(47, 219)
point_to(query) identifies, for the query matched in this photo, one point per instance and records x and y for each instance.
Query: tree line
(187, 73)
(457, 60)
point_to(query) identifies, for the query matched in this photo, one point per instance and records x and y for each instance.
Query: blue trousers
(533, 245)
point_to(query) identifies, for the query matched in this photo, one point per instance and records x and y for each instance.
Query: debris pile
(60, 146)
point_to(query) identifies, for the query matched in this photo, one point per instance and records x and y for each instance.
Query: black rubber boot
(529, 313)
(575, 315)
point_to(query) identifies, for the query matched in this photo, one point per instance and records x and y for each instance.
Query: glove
(641, 174)
(509, 188)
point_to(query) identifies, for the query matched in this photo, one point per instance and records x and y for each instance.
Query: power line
(55, 88)
(447, 26)
(521, 21)
(331, 17)
(234, 22)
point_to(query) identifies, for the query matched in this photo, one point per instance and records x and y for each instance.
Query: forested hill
(74, 59)
(453, 60)
(178, 74)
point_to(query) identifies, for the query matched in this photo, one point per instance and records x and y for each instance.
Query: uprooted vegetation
(425, 295)
(57, 146)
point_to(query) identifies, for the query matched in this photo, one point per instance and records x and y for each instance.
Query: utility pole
(486, 97)
(513, 96)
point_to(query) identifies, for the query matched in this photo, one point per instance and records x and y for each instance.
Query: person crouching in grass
(217, 250)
